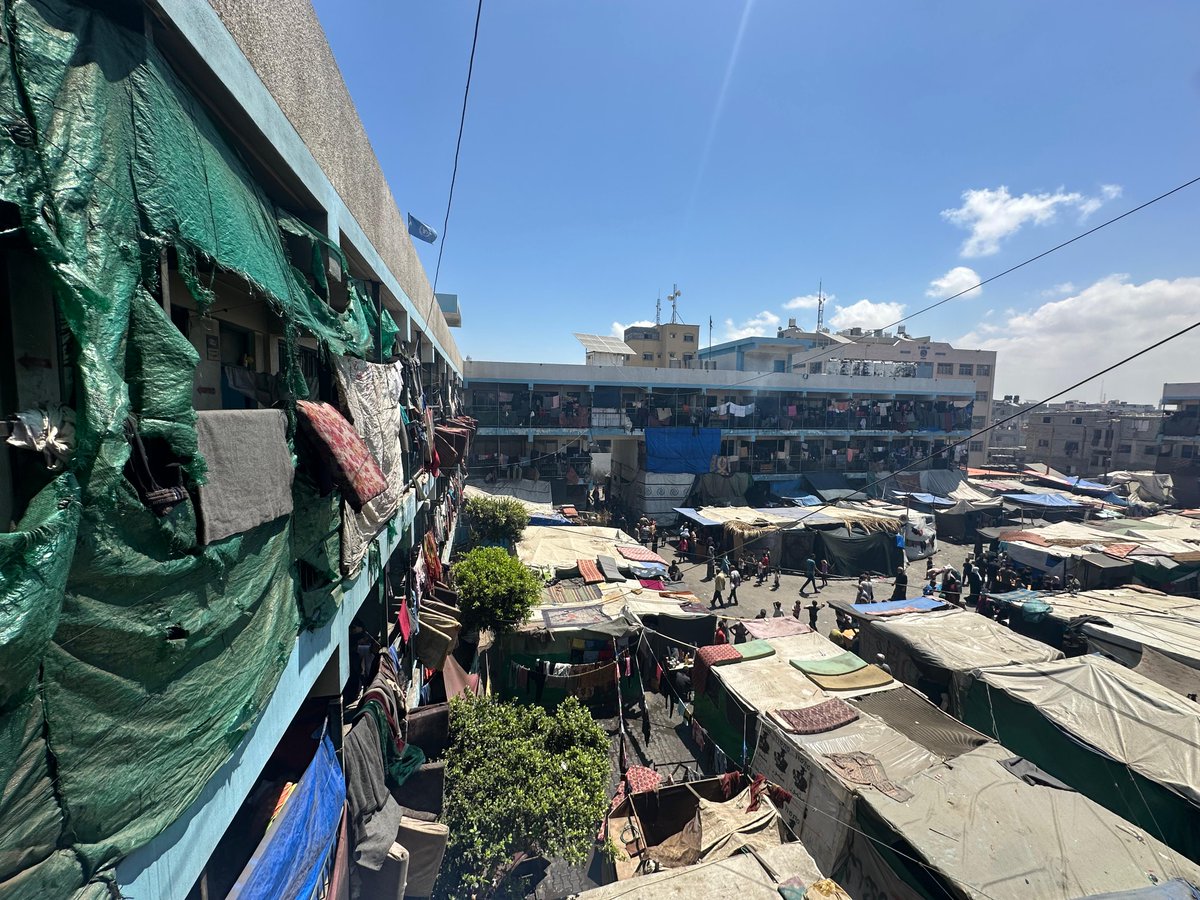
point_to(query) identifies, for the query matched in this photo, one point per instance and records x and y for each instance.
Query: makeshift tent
(747, 876)
(962, 521)
(935, 652)
(854, 554)
(829, 485)
(1099, 570)
(535, 496)
(1049, 501)
(973, 828)
(1131, 745)
(717, 489)
(682, 450)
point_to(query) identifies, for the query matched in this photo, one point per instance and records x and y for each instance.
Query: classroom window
(689, 339)
(966, 369)
(983, 369)
(981, 395)
(945, 368)
(647, 356)
(975, 446)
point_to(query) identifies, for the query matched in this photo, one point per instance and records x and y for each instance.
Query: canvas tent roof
(998, 837)
(830, 485)
(1056, 501)
(546, 546)
(741, 876)
(1120, 713)
(535, 496)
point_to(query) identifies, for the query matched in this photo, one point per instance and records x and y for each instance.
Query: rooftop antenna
(820, 305)
(658, 311)
(674, 298)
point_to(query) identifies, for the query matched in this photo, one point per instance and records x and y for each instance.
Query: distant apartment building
(556, 421)
(821, 355)
(1093, 440)
(1006, 446)
(673, 345)
(1179, 440)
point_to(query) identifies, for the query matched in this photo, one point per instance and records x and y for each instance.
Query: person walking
(719, 593)
(775, 586)
(653, 539)
(975, 580)
(712, 562)
(813, 608)
(900, 589)
(735, 579)
(810, 574)
(823, 569)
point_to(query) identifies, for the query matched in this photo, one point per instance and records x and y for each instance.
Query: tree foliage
(495, 590)
(499, 519)
(519, 779)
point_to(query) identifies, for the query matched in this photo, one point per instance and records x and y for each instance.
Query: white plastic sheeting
(996, 837)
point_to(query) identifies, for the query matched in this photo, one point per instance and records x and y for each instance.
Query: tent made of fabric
(1126, 742)
(829, 485)
(973, 823)
(748, 876)
(854, 554)
(1042, 500)
(552, 548)
(936, 651)
(535, 496)
(1099, 570)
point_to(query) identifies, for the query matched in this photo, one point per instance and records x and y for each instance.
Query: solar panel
(602, 343)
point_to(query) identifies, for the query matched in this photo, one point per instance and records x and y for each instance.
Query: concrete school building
(874, 352)
(231, 403)
(575, 424)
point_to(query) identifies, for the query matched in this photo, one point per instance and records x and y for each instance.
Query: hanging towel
(249, 478)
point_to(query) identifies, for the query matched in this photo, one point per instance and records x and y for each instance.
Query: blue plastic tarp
(290, 859)
(688, 513)
(804, 500)
(917, 604)
(679, 451)
(927, 499)
(1047, 500)
(786, 488)
(553, 520)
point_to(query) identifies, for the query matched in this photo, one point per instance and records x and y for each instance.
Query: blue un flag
(420, 230)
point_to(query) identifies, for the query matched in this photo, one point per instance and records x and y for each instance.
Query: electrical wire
(462, 121)
(833, 348)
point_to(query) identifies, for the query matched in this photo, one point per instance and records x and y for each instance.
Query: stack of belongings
(395, 851)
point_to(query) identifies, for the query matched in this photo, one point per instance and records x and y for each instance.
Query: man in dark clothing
(712, 561)
(810, 573)
(975, 579)
(813, 608)
(900, 591)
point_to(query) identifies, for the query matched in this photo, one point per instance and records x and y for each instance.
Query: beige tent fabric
(999, 838)
(741, 876)
(552, 547)
(535, 496)
(1125, 716)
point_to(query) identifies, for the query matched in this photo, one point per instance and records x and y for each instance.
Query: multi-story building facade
(1092, 441)
(855, 352)
(673, 345)
(1006, 447)
(196, 232)
(1179, 440)
(556, 418)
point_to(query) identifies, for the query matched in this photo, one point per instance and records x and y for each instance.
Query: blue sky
(614, 148)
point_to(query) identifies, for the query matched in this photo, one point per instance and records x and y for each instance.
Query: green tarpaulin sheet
(132, 661)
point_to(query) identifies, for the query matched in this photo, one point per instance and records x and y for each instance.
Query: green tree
(495, 590)
(519, 779)
(499, 519)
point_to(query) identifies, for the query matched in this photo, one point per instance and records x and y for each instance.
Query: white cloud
(618, 329)
(1066, 287)
(1055, 344)
(762, 325)
(956, 281)
(993, 214)
(865, 314)
(808, 301)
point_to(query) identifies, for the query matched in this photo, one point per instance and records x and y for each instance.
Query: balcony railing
(922, 418)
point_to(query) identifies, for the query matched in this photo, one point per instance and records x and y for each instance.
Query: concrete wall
(284, 42)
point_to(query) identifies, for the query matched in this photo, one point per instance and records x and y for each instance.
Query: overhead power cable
(462, 122)
(833, 348)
